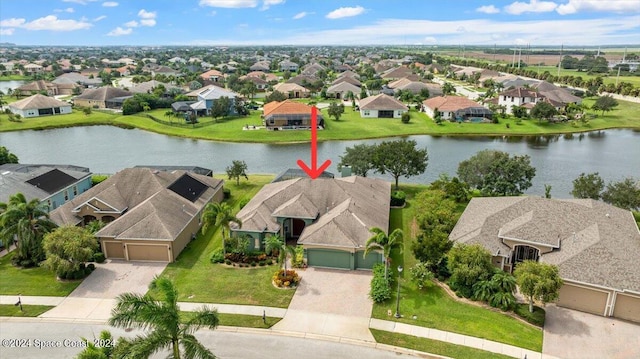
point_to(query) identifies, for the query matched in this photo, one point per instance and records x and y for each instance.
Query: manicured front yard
(31, 281)
(239, 320)
(198, 280)
(10, 310)
(434, 308)
(432, 346)
(350, 127)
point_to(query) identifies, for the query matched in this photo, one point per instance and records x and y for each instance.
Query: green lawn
(606, 78)
(432, 346)
(435, 309)
(198, 280)
(10, 310)
(239, 320)
(32, 281)
(14, 77)
(350, 127)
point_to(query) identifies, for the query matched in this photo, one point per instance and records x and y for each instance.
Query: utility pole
(560, 62)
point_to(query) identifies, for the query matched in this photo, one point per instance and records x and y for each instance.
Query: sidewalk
(455, 338)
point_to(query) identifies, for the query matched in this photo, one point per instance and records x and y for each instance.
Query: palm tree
(219, 214)
(380, 240)
(277, 244)
(161, 318)
(27, 223)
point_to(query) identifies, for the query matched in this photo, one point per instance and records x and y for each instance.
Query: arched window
(523, 253)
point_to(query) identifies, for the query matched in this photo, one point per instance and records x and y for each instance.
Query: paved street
(226, 343)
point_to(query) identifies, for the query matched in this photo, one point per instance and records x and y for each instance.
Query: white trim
(76, 209)
(525, 241)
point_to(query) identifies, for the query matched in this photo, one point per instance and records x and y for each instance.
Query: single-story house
(292, 90)
(37, 86)
(53, 185)
(150, 215)
(381, 106)
(100, 97)
(149, 86)
(594, 245)
(287, 65)
(557, 94)
(77, 78)
(261, 66)
(193, 169)
(341, 90)
(39, 105)
(352, 80)
(456, 108)
(212, 75)
(329, 217)
(182, 106)
(396, 73)
(260, 83)
(312, 69)
(288, 115)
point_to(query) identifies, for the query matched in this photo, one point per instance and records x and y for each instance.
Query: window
(366, 113)
(75, 191)
(256, 243)
(66, 195)
(49, 204)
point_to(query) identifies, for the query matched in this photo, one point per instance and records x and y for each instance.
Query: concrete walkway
(455, 338)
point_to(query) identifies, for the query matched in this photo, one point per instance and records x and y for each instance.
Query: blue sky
(317, 22)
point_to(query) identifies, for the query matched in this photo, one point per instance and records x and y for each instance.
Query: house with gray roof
(53, 185)
(329, 217)
(150, 214)
(594, 245)
(39, 105)
(381, 106)
(341, 89)
(287, 65)
(102, 97)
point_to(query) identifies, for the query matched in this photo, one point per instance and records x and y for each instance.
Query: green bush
(262, 263)
(398, 198)
(98, 257)
(243, 202)
(217, 256)
(227, 193)
(298, 260)
(253, 264)
(96, 179)
(535, 318)
(227, 262)
(406, 117)
(91, 266)
(380, 287)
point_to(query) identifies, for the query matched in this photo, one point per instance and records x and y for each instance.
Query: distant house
(53, 185)
(396, 73)
(150, 215)
(594, 245)
(102, 97)
(312, 69)
(292, 90)
(518, 97)
(38, 86)
(264, 66)
(331, 218)
(381, 106)
(287, 65)
(76, 78)
(33, 69)
(39, 105)
(212, 75)
(456, 108)
(349, 79)
(257, 81)
(341, 89)
(288, 115)
(207, 96)
(302, 80)
(165, 70)
(149, 86)
(557, 94)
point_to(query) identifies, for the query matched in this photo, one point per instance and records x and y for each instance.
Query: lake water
(104, 149)
(4, 85)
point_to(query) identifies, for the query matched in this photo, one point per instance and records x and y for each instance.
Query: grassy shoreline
(350, 127)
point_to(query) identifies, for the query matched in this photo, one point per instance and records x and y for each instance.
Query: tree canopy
(495, 173)
(359, 157)
(468, 264)
(6, 156)
(275, 96)
(221, 107)
(605, 104)
(236, 170)
(335, 110)
(624, 194)
(68, 247)
(539, 281)
(543, 111)
(588, 186)
(400, 158)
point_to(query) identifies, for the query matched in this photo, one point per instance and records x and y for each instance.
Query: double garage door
(330, 258)
(137, 252)
(593, 301)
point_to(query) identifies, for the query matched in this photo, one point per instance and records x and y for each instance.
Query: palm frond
(193, 349)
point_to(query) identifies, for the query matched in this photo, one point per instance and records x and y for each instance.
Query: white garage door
(145, 252)
(583, 299)
(627, 307)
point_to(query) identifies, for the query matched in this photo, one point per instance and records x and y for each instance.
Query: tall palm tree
(161, 318)
(380, 240)
(275, 243)
(219, 214)
(27, 223)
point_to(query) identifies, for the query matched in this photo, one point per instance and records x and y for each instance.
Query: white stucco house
(39, 105)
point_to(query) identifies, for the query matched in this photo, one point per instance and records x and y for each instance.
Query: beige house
(292, 90)
(39, 105)
(102, 97)
(594, 245)
(381, 106)
(150, 215)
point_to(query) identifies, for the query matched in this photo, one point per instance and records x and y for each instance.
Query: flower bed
(288, 279)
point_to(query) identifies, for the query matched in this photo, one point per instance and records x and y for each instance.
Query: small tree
(588, 186)
(380, 240)
(359, 157)
(468, 264)
(448, 89)
(67, 248)
(543, 111)
(624, 194)
(6, 156)
(221, 107)
(420, 274)
(335, 110)
(86, 111)
(236, 170)
(604, 104)
(406, 117)
(400, 158)
(495, 173)
(437, 116)
(275, 96)
(539, 281)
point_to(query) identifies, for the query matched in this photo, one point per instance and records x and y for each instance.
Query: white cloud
(148, 22)
(13, 22)
(213, 13)
(299, 15)
(144, 14)
(268, 3)
(6, 31)
(101, 17)
(229, 3)
(430, 40)
(52, 23)
(81, 2)
(574, 6)
(109, 4)
(131, 23)
(488, 9)
(518, 8)
(345, 12)
(118, 31)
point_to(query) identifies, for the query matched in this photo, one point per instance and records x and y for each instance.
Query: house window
(366, 113)
(256, 244)
(49, 204)
(66, 195)
(75, 191)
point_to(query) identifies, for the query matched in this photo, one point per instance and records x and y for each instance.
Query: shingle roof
(148, 86)
(555, 93)
(153, 211)
(449, 103)
(15, 178)
(344, 87)
(289, 87)
(215, 92)
(381, 102)
(38, 101)
(103, 93)
(593, 242)
(520, 92)
(347, 208)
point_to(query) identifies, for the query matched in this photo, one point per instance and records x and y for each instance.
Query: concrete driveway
(331, 302)
(95, 296)
(572, 334)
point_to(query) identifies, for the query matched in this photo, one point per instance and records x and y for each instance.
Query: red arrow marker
(314, 171)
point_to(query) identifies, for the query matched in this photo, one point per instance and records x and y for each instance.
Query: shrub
(87, 271)
(227, 262)
(217, 256)
(91, 266)
(95, 179)
(227, 193)
(398, 198)
(406, 117)
(98, 257)
(420, 274)
(298, 260)
(243, 202)
(286, 279)
(253, 264)
(262, 263)
(535, 318)
(380, 290)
